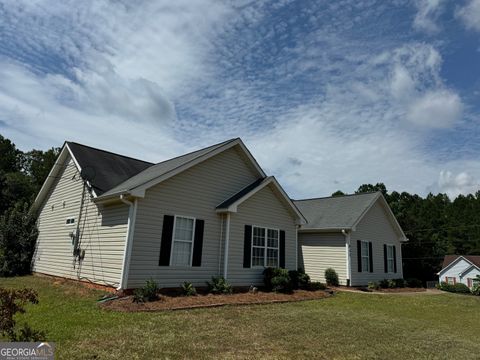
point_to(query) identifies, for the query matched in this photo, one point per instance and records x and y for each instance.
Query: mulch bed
(126, 304)
(401, 290)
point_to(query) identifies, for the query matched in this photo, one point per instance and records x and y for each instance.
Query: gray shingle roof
(339, 212)
(161, 168)
(241, 193)
(105, 169)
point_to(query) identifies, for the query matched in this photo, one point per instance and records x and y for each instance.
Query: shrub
(331, 277)
(11, 303)
(316, 285)
(399, 283)
(276, 279)
(188, 289)
(372, 285)
(457, 288)
(414, 283)
(149, 292)
(391, 283)
(384, 283)
(219, 286)
(299, 278)
(476, 286)
(18, 233)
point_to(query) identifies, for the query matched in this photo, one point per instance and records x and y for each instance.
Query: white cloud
(427, 14)
(469, 14)
(454, 185)
(436, 109)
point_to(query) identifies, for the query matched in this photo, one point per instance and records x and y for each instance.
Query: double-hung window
(182, 241)
(365, 256)
(390, 259)
(265, 247)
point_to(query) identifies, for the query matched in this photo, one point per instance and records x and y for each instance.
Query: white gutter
(346, 233)
(132, 215)
(227, 242)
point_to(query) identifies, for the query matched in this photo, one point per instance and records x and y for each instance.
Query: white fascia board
(80, 169)
(323, 230)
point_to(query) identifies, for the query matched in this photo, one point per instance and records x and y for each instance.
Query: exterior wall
(378, 229)
(102, 232)
(320, 251)
(472, 274)
(263, 209)
(195, 192)
(458, 268)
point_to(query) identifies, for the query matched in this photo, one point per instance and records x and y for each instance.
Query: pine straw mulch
(125, 304)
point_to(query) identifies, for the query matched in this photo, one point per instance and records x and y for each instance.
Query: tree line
(435, 225)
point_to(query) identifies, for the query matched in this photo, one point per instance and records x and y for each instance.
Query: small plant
(414, 283)
(13, 302)
(331, 277)
(316, 285)
(372, 285)
(149, 292)
(299, 278)
(391, 283)
(219, 286)
(188, 289)
(399, 283)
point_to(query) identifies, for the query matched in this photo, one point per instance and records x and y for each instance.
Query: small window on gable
(70, 221)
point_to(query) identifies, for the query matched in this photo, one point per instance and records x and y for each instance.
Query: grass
(346, 326)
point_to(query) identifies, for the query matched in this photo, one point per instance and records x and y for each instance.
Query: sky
(327, 95)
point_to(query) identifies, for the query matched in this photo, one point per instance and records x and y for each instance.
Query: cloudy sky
(327, 94)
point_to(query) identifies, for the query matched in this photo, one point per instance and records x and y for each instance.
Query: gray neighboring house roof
(338, 212)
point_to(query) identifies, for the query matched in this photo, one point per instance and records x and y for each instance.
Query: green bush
(277, 279)
(384, 283)
(188, 289)
(331, 277)
(372, 285)
(149, 292)
(219, 286)
(316, 285)
(476, 286)
(414, 283)
(18, 233)
(391, 283)
(457, 288)
(399, 283)
(299, 278)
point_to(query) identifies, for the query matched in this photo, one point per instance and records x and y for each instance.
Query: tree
(18, 233)
(338, 193)
(37, 164)
(364, 188)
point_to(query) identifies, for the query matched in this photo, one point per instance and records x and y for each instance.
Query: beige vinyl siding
(102, 233)
(377, 228)
(195, 193)
(263, 209)
(320, 251)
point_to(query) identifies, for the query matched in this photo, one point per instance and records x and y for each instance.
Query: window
(70, 221)
(390, 259)
(470, 282)
(450, 280)
(265, 247)
(365, 256)
(182, 242)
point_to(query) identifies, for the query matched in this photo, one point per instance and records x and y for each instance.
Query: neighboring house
(357, 235)
(118, 221)
(460, 269)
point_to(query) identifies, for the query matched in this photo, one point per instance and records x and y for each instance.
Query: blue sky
(327, 95)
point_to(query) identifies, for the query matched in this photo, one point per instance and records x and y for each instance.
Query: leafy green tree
(18, 233)
(364, 188)
(338, 193)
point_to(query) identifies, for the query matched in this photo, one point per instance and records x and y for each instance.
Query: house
(460, 269)
(357, 235)
(117, 221)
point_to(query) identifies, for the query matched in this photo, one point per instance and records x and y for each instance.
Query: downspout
(346, 233)
(132, 215)
(227, 243)
(297, 227)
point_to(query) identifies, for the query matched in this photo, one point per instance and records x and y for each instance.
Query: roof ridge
(109, 152)
(338, 196)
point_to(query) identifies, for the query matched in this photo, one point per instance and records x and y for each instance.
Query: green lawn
(346, 326)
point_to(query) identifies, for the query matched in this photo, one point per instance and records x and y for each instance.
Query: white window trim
(365, 256)
(69, 218)
(265, 247)
(173, 240)
(392, 258)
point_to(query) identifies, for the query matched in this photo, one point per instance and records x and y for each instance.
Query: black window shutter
(395, 259)
(282, 249)
(359, 255)
(166, 245)
(370, 255)
(198, 243)
(247, 246)
(385, 258)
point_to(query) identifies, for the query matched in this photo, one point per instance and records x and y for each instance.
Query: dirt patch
(126, 304)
